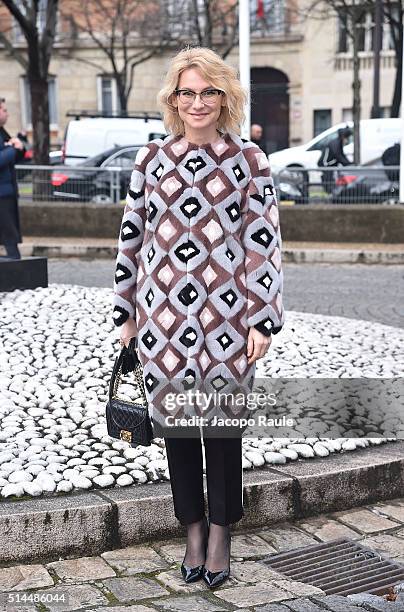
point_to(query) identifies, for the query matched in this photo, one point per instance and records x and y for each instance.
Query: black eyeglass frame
(220, 91)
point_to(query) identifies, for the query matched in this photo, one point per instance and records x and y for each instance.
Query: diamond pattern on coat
(195, 164)
(190, 207)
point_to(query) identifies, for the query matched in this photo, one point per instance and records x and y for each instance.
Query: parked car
(55, 157)
(375, 136)
(363, 186)
(88, 135)
(290, 186)
(87, 183)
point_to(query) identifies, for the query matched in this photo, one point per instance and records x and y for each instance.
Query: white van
(89, 136)
(375, 136)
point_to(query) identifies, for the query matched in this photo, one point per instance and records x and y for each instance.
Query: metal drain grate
(339, 567)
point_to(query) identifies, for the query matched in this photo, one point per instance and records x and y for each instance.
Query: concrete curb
(289, 255)
(342, 256)
(93, 522)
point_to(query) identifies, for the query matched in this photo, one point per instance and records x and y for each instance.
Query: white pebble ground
(57, 346)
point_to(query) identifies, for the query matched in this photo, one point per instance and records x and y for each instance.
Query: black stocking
(196, 543)
(218, 554)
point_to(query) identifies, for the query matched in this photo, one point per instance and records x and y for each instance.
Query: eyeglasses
(208, 96)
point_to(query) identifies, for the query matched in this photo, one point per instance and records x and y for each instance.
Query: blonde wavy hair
(219, 74)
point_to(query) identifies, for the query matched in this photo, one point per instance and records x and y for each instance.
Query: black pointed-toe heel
(191, 574)
(214, 579)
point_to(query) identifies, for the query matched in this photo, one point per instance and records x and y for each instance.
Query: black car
(369, 184)
(93, 180)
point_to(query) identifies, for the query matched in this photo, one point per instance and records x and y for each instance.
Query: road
(369, 292)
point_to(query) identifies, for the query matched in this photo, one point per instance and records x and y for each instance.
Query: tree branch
(14, 52)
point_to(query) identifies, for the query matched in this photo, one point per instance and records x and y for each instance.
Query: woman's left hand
(257, 345)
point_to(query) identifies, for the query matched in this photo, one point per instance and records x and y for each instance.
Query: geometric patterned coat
(199, 260)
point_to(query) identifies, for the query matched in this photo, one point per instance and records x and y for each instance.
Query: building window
(273, 20)
(40, 19)
(347, 114)
(27, 106)
(387, 37)
(342, 34)
(108, 99)
(322, 120)
(366, 32)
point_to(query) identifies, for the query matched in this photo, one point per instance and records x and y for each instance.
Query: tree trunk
(356, 86)
(40, 118)
(38, 85)
(395, 105)
(122, 95)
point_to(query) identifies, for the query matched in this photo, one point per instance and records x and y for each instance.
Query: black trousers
(10, 234)
(224, 476)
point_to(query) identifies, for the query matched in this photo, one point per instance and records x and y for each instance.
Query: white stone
(304, 450)
(124, 480)
(255, 458)
(139, 476)
(33, 488)
(320, 449)
(130, 453)
(104, 480)
(46, 481)
(13, 489)
(20, 476)
(349, 444)
(271, 457)
(289, 453)
(64, 486)
(82, 482)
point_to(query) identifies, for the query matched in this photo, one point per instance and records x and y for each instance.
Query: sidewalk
(293, 252)
(121, 548)
(147, 577)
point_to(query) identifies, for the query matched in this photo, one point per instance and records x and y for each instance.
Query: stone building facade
(301, 75)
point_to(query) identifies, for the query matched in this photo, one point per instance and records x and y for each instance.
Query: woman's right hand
(128, 331)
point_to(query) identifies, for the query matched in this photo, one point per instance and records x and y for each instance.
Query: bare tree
(129, 32)
(214, 24)
(119, 29)
(351, 14)
(37, 21)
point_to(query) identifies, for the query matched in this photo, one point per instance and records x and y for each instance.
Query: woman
(199, 281)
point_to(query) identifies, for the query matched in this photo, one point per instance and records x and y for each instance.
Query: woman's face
(197, 114)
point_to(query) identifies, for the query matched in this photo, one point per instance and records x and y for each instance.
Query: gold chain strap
(138, 374)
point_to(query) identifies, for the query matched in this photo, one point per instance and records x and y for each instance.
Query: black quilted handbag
(126, 420)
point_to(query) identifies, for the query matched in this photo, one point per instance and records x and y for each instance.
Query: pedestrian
(391, 157)
(11, 151)
(198, 280)
(256, 136)
(333, 155)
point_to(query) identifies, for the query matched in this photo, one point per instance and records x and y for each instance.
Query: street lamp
(244, 59)
(402, 131)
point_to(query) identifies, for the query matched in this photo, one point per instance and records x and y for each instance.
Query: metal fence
(341, 185)
(299, 186)
(106, 185)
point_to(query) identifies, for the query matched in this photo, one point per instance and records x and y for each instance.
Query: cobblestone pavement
(369, 292)
(147, 577)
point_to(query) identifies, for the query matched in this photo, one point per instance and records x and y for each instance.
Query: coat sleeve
(261, 238)
(130, 241)
(7, 155)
